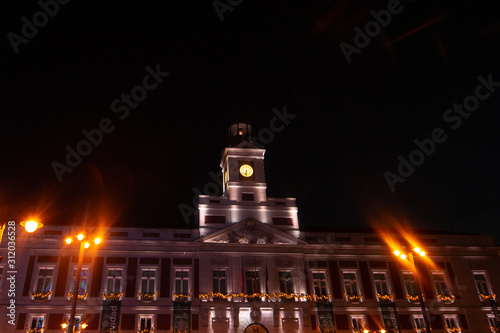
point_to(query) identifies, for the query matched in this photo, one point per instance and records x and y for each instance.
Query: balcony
(413, 298)
(354, 298)
(321, 298)
(147, 297)
(453, 329)
(446, 299)
(385, 298)
(488, 298)
(112, 296)
(146, 330)
(40, 296)
(181, 297)
(79, 297)
(35, 330)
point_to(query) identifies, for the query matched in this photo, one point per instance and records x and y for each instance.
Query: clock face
(246, 170)
(255, 328)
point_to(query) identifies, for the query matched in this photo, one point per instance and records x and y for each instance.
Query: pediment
(245, 144)
(250, 231)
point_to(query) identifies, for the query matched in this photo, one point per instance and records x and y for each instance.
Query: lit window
(78, 322)
(381, 284)
(358, 323)
(219, 281)
(319, 283)
(451, 323)
(148, 281)
(285, 278)
(493, 323)
(440, 285)
(252, 280)
(482, 285)
(114, 281)
(146, 323)
(182, 281)
(410, 285)
(43, 284)
(36, 323)
(351, 286)
(419, 323)
(82, 288)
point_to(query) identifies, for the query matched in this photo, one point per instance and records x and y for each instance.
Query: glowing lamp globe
(31, 226)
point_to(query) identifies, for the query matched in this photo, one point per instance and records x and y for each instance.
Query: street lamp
(29, 226)
(409, 256)
(80, 237)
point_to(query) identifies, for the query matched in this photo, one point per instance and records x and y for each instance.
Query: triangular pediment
(250, 231)
(245, 144)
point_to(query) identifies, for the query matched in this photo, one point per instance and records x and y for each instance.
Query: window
(492, 322)
(219, 281)
(482, 285)
(182, 281)
(410, 285)
(146, 323)
(148, 281)
(36, 323)
(82, 288)
(440, 285)
(44, 281)
(114, 281)
(78, 322)
(285, 278)
(451, 323)
(419, 323)
(247, 197)
(252, 280)
(319, 283)
(358, 323)
(381, 284)
(351, 286)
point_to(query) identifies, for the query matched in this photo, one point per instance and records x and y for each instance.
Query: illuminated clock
(256, 328)
(246, 170)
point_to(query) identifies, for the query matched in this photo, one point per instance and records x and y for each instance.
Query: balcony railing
(446, 299)
(413, 298)
(112, 296)
(40, 296)
(453, 329)
(354, 298)
(35, 330)
(264, 297)
(488, 298)
(181, 297)
(147, 297)
(146, 330)
(80, 297)
(385, 298)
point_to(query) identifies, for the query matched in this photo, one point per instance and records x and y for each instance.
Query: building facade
(248, 268)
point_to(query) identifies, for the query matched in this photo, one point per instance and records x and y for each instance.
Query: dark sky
(352, 119)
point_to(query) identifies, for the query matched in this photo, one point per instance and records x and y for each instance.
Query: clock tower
(244, 189)
(243, 167)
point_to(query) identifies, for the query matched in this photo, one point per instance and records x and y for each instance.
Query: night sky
(349, 117)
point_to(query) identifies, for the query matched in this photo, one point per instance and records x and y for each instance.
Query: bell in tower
(239, 132)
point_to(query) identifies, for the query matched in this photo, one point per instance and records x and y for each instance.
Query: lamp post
(409, 256)
(83, 246)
